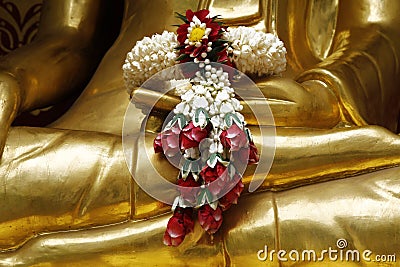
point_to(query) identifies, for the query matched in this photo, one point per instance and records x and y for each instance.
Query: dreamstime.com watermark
(338, 253)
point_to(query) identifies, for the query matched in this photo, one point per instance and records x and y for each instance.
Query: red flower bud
(190, 190)
(168, 141)
(233, 138)
(226, 142)
(210, 175)
(191, 136)
(253, 154)
(232, 196)
(248, 155)
(180, 224)
(210, 219)
(157, 144)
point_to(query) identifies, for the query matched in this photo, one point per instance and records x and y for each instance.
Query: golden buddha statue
(68, 197)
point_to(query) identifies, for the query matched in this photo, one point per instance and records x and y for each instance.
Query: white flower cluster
(256, 52)
(149, 56)
(179, 87)
(212, 93)
(253, 52)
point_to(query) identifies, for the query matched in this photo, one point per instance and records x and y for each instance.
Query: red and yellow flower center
(197, 34)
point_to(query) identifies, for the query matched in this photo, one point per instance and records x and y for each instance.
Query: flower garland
(149, 56)
(255, 52)
(208, 133)
(204, 39)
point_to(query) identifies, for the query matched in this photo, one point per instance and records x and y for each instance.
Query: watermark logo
(341, 243)
(334, 254)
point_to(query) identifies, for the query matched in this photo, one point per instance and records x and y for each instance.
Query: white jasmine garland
(211, 92)
(200, 102)
(149, 56)
(256, 52)
(180, 86)
(253, 52)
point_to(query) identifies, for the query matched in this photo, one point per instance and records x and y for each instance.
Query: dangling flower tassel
(179, 225)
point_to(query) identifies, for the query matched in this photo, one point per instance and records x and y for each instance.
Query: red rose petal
(190, 190)
(157, 144)
(175, 227)
(191, 136)
(167, 239)
(209, 219)
(232, 196)
(237, 137)
(197, 51)
(222, 56)
(202, 14)
(253, 154)
(183, 29)
(182, 33)
(225, 141)
(189, 14)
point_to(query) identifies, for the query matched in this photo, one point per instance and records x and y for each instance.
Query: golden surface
(67, 197)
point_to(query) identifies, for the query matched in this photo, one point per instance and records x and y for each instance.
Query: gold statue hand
(310, 104)
(60, 60)
(10, 100)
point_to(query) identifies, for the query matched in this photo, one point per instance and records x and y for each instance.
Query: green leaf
(214, 205)
(237, 120)
(180, 118)
(171, 123)
(197, 114)
(220, 42)
(182, 57)
(223, 162)
(182, 121)
(231, 118)
(219, 49)
(180, 47)
(205, 197)
(196, 166)
(248, 134)
(231, 171)
(182, 17)
(184, 174)
(186, 165)
(228, 120)
(212, 56)
(212, 160)
(209, 196)
(201, 200)
(195, 176)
